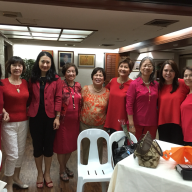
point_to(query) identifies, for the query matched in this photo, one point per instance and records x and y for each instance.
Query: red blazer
(52, 97)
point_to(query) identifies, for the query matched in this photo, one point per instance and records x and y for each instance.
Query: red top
(117, 104)
(142, 103)
(169, 103)
(52, 97)
(15, 103)
(186, 120)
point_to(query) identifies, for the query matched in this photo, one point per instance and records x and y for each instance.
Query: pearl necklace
(146, 83)
(98, 91)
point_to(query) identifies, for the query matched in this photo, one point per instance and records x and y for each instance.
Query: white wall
(84, 77)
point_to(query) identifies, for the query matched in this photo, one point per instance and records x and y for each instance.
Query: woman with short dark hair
(45, 88)
(66, 137)
(172, 92)
(94, 107)
(141, 100)
(118, 87)
(14, 132)
(186, 108)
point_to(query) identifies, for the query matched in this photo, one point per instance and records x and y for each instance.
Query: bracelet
(131, 126)
(57, 115)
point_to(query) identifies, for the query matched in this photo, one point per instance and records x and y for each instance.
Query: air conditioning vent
(161, 22)
(10, 14)
(107, 45)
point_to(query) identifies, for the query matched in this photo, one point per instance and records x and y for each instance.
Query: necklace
(73, 95)
(146, 83)
(16, 86)
(122, 83)
(97, 91)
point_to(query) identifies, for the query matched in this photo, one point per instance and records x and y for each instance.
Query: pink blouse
(141, 103)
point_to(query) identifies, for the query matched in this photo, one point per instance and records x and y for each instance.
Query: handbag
(148, 151)
(122, 152)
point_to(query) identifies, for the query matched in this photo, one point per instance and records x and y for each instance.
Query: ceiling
(120, 28)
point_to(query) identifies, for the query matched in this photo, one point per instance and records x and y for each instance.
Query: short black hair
(67, 66)
(36, 72)
(186, 68)
(96, 70)
(129, 62)
(14, 60)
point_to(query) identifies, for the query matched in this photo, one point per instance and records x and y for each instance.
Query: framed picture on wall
(49, 51)
(65, 57)
(86, 60)
(136, 65)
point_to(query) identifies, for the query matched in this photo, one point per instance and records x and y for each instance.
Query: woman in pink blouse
(141, 100)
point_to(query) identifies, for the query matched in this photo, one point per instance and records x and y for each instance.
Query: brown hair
(175, 83)
(14, 60)
(186, 68)
(129, 62)
(67, 66)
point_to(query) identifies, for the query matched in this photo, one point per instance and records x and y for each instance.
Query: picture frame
(86, 60)
(136, 65)
(49, 51)
(65, 57)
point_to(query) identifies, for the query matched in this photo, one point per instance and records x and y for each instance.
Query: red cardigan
(52, 97)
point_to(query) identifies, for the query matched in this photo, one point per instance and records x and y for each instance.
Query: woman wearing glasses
(66, 137)
(118, 87)
(141, 101)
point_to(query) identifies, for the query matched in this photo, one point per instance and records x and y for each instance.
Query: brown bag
(148, 152)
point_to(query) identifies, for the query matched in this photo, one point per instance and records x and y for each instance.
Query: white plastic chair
(93, 171)
(117, 136)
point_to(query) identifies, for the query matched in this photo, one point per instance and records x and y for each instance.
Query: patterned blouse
(94, 107)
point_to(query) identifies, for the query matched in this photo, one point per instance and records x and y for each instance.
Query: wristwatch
(131, 126)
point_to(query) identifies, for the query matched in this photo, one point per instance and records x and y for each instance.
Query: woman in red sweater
(172, 92)
(45, 88)
(186, 109)
(14, 132)
(118, 87)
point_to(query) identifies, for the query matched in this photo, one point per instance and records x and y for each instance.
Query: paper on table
(2, 185)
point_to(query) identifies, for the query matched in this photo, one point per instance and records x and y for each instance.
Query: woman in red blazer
(45, 92)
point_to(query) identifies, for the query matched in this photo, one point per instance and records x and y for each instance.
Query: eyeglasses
(68, 71)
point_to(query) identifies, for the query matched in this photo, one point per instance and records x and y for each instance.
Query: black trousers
(188, 144)
(42, 133)
(171, 133)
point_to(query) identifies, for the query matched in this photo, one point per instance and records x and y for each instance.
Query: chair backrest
(116, 136)
(93, 135)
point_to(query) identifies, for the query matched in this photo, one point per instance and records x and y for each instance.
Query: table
(129, 176)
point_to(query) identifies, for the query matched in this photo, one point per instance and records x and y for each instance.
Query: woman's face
(98, 78)
(188, 77)
(123, 69)
(70, 74)
(44, 63)
(16, 69)
(146, 68)
(168, 74)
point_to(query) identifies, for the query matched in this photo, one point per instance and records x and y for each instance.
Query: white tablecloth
(129, 176)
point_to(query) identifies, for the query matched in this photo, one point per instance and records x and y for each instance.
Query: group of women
(60, 109)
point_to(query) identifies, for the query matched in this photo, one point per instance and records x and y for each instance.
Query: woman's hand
(132, 129)
(56, 123)
(6, 117)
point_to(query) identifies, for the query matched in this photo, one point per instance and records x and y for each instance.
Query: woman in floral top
(94, 107)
